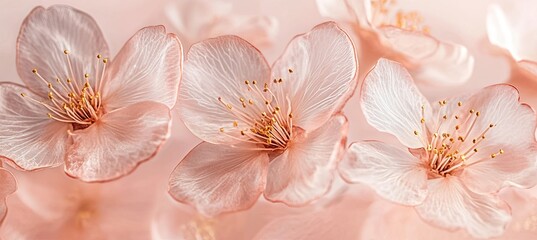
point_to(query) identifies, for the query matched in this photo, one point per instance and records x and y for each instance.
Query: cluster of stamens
(451, 150)
(71, 100)
(410, 20)
(263, 121)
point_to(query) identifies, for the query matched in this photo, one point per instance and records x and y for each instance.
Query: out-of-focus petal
(416, 45)
(193, 18)
(44, 36)
(318, 71)
(393, 173)
(511, 27)
(350, 11)
(258, 30)
(28, 137)
(218, 68)
(529, 66)
(341, 219)
(451, 205)
(305, 171)
(148, 68)
(220, 178)
(197, 20)
(513, 133)
(436, 63)
(8, 185)
(450, 64)
(116, 144)
(392, 103)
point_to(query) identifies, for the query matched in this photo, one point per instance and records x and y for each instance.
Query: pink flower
(196, 20)
(100, 118)
(50, 205)
(461, 151)
(7, 187)
(512, 28)
(276, 131)
(405, 38)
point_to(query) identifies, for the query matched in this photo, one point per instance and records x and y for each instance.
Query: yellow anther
(493, 155)
(105, 60)
(66, 51)
(49, 115)
(423, 120)
(459, 104)
(242, 133)
(68, 80)
(50, 96)
(457, 127)
(99, 56)
(34, 70)
(235, 124)
(475, 149)
(86, 75)
(501, 151)
(290, 70)
(280, 80)
(246, 82)
(477, 114)
(23, 94)
(444, 117)
(472, 110)
(290, 115)
(491, 125)
(251, 101)
(416, 133)
(241, 99)
(277, 108)
(254, 82)
(221, 129)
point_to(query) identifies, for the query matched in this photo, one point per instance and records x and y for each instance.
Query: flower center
(381, 16)
(261, 119)
(73, 101)
(452, 145)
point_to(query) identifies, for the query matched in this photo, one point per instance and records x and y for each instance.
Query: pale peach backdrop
(140, 200)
